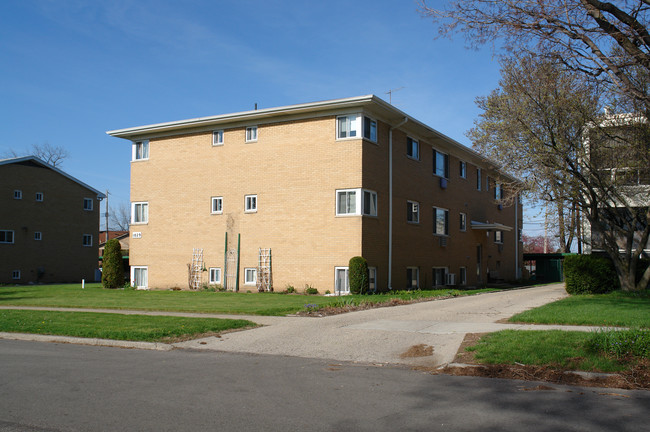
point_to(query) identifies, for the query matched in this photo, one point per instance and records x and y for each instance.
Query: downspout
(390, 202)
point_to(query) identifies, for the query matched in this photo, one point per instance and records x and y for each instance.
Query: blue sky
(73, 69)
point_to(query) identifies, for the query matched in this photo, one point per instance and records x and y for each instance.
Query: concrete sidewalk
(372, 336)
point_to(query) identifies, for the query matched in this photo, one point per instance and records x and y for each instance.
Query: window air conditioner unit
(451, 279)
(443, 241)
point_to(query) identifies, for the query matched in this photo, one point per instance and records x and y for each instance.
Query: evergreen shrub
(358, 274)
(112, 268)
(589, 274)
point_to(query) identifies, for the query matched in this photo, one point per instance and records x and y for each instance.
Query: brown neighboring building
(317, 183)
(49, 224)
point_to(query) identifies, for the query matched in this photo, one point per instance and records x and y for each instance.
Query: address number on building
(137, 235)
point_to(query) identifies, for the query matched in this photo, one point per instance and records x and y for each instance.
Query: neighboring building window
(478, 178)
(140, 212)
(15, 275)
(498, 236)
(347, 126)
(369, 203)
(440, 164)
(215, 275)
(251, 134)
(217, 205)
(88, 204)
(462, 276)
(87, 240)
(439, 276)
(370, 129)
(440, 221)
(372, 279)
(412, 148)
(412, 278)
(6, 236)
(250, 276)
(251, 203)
(463, 222)
(341, 280)
(348, 202)
(412, 212)
(38, 235)
(39, 196)
(498, 191)
(217, 138)
(140, 150)
(139, 277)
(18, 194)
(463, 170)
(487, 183)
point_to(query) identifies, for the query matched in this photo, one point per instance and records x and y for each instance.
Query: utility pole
(106, 215)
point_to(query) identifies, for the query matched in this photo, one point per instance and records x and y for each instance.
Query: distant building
(49, 224)
(317, 184)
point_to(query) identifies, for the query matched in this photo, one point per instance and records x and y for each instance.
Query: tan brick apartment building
(317, 183)
(49, 224)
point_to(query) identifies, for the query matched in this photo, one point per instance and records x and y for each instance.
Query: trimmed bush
(589, 274)
(358, 273)
(112, 268)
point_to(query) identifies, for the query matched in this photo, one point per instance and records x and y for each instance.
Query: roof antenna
(390, 94)
(255, 106)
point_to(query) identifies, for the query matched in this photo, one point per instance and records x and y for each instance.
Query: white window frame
(250, 204)
(87, 240)
(410, 212)
(445, 160)
(217, 137)
(354, 126)
(498, 237)
(146, 277)
(145, 214)
(435, 221)
(372, 128)
(248, 271)
(15, 274)
(416, 280)
(372, 279)
(215, 275)
(359, 202)
(38, 236)
(140, 150)
(88, 204)
(463, 169)
(463, 221)
(13, 237)
(39, 196)
(219, 208)
(18, 194)
(251, 134)
(346, 288)
(411, 145)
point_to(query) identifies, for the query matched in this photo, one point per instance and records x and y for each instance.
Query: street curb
(583, 374)
(154, 346)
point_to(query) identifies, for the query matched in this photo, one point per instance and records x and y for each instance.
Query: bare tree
(46, 152)
(120, 216)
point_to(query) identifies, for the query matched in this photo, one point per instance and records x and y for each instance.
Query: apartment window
(217, 205)
(87, 240)
(15, 274)
(88, 204)
(478, 178)
(498, 236)
(215, 275)
(412, 212)
(349, 202)
(412, 278)
(487, 183)
(412, 148)
(250, 276)
(251, 134)
(38, 235)
(341, 280)
(140, 150)
(347, 126)
(18, 194)
(6, 236)
(140, 212)
(372, 279)
(462, 169)
(440, 221)
(370, 129)
(463, 222)
(439, 276)
(251, 203)
(217, 138)
(498, 191)
(462, 276)
(440, 164)
(39, 196)
(139, 277)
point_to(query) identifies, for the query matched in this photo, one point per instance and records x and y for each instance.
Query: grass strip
(113, 326)
(617, 309)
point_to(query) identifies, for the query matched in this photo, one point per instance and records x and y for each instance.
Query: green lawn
(615, 309)
(113, 326)
(94, 296)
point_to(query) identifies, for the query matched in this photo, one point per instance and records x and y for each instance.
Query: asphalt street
(64, 387)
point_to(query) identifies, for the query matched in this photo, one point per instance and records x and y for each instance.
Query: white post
(83, 283)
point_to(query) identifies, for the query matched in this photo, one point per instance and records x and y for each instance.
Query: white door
(342, 283)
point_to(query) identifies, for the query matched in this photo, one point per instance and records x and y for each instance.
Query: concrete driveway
(381, 335)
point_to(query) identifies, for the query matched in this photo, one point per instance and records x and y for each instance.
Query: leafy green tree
(113, 269)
